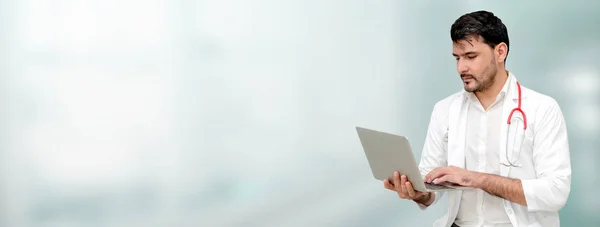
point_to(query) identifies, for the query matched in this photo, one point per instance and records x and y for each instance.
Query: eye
(471, 56)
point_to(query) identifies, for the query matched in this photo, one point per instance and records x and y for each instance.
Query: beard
(483, 82)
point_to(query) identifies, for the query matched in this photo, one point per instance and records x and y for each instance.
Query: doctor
(506, 141)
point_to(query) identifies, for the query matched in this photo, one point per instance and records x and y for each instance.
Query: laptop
(387, 153)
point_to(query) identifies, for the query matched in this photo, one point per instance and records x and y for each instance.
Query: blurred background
(242, 113)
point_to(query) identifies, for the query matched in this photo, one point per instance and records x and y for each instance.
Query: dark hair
(482, 24)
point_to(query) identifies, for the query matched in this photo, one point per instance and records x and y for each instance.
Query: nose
(462, 67)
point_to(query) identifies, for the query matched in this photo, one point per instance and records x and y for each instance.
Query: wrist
(477, 180)
(424, 199)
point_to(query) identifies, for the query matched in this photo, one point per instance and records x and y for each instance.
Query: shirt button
(509, 211)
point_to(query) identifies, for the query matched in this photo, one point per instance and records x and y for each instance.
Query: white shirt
(477, 207)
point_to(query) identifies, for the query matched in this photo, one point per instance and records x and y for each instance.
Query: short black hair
(482, 24)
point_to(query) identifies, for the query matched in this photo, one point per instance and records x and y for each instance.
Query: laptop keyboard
(436, 186)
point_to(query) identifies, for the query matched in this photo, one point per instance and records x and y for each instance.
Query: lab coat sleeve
(435, 147)
(551, 188)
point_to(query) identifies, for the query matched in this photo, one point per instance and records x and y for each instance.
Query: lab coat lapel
(457, 126)
(510, 103)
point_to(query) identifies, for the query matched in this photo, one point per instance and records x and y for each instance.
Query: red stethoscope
(517, 109)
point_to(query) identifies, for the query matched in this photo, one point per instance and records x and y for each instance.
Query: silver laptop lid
(387, 153)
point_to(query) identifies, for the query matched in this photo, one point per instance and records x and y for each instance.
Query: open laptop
(387, 153)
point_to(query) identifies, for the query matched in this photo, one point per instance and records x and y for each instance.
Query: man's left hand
(451, 174)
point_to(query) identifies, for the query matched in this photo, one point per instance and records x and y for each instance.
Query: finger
(437, 174)
(390, 180)
(403, 182)
(409, 189)
(397, 186)
(428, 178)
(388, 185)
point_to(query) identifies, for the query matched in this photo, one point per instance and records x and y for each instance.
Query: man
(507, 142)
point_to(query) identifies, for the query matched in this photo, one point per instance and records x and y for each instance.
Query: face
(476, 63)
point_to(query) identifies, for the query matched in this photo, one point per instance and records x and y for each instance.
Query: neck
(487, 97)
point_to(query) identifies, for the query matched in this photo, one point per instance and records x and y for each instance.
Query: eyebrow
(467, 53)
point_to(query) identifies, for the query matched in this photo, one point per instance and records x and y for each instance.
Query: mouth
(467, 80)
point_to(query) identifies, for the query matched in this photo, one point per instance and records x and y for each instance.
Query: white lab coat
(545, 166)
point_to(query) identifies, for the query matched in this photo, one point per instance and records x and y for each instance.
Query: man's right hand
(405, 189)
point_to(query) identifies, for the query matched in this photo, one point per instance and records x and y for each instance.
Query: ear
(501, 50)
